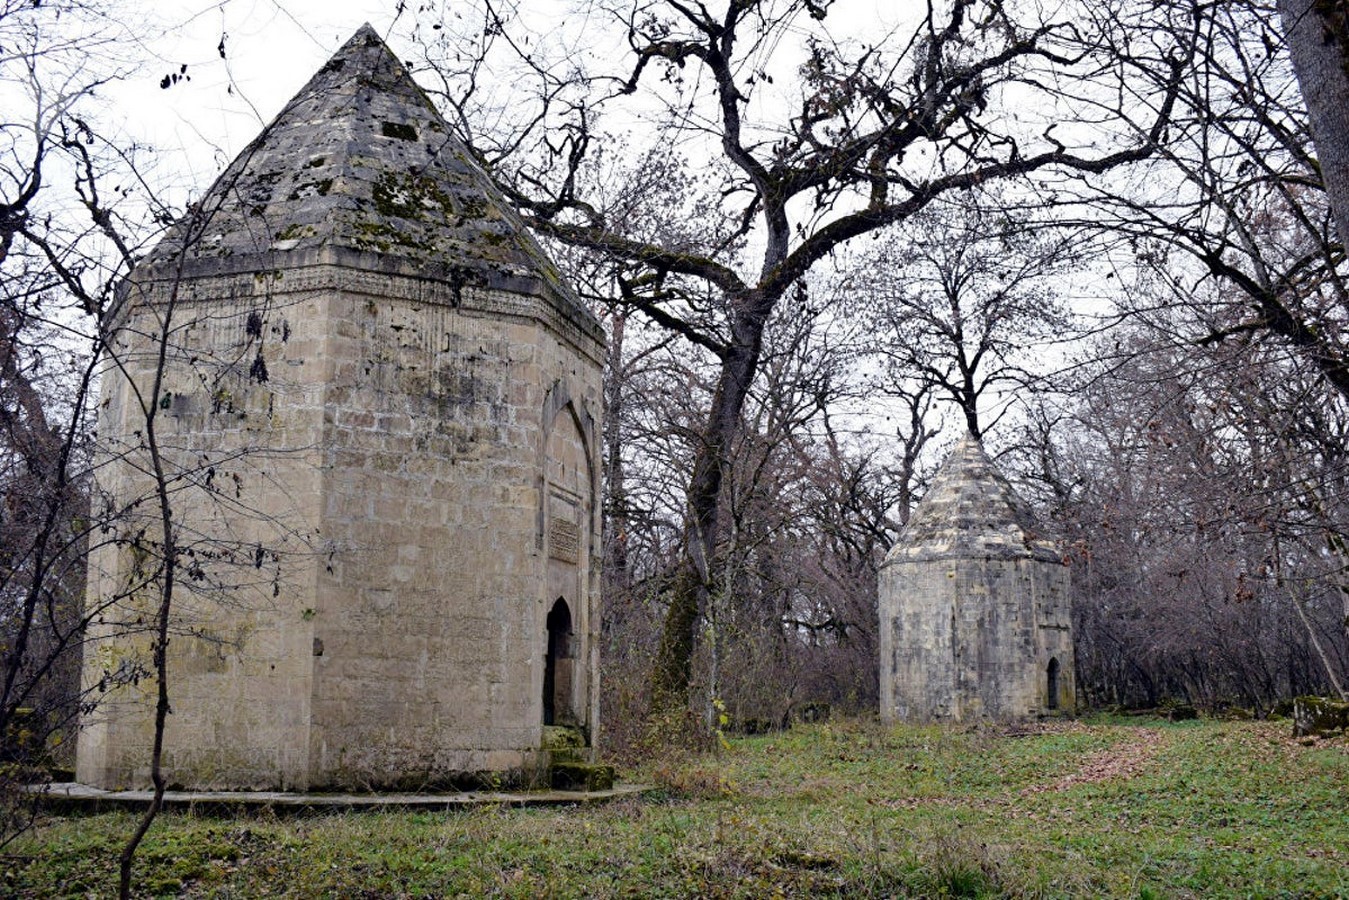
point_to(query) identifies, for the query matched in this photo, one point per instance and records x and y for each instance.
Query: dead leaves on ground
(1123, 760)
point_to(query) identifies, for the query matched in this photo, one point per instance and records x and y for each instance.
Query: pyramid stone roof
(971, 512)
(360, 169)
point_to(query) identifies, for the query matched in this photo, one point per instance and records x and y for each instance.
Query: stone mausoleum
(379, 416)
(974, 605)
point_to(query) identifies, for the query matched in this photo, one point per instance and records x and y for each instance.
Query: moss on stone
(294, 231)
(1319, 716)
(562, 737)
(409, 196)
(573, 776)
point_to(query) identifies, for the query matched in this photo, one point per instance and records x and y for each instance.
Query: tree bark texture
(1317, 33)
(670, 678)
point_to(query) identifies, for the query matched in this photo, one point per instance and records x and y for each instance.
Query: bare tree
(1234, 200)
(1233, 225)
(75, 214)
(791, 615)
(1194, 505)
(56, 273)
(1318, 42)
(1317, 34)
(963, 301)
(868, 133)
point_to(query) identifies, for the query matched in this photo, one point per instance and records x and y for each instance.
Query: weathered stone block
(1319, 716)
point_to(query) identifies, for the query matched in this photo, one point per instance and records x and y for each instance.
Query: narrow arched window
(557, 666)
(1052, 693)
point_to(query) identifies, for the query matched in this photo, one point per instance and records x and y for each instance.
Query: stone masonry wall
(432, 616)
(964, 639)
(382, 620)
(240, 442)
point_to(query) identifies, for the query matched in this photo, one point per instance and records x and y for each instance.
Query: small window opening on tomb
(557, 667)
(398, 130)
(1052, 693)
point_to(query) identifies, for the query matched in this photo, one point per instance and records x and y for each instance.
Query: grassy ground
(1136, 809)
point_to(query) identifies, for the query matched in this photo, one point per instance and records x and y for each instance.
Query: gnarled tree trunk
(1317, 32)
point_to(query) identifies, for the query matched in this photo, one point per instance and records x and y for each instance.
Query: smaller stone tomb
(974, 605)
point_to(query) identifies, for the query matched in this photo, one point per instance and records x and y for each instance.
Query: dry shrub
(692, 779)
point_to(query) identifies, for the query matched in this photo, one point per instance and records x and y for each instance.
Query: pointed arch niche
(567, 528)
(558, 667)
(1052, 684)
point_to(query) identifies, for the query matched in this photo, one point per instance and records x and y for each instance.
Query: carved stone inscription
(564, 541)
(564, 529)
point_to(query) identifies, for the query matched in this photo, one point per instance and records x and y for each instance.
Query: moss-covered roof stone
(360, 169)
(971, 512)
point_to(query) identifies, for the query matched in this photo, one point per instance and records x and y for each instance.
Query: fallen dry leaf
(1124, 760)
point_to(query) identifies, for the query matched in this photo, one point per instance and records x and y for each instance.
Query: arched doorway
(557, 667)
(1052, 698)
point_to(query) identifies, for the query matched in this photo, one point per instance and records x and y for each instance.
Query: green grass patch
(852, 809)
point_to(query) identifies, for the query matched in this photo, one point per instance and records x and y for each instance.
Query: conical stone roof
(971, 512)
(360, 169)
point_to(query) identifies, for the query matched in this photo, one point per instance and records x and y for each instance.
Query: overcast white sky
(272, 48)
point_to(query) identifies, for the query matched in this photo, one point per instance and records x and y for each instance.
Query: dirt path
(1123, 760)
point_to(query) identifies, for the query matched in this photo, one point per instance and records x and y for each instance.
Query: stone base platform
(75, 797)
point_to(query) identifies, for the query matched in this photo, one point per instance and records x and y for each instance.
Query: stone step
(581, 776)
(570, 755)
